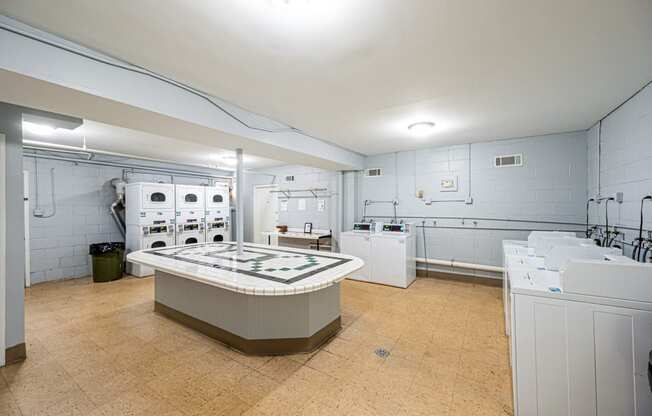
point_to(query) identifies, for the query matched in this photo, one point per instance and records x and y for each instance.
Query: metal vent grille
(508, 160)
(289, 178)
(373, 172)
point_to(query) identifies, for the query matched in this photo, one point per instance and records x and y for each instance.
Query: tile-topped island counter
(265, 301)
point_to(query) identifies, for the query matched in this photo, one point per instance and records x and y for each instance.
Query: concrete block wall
(83, 196)
(551, 186)
(620, 160)
(304, 177)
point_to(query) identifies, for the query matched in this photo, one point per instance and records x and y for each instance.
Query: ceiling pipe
(45, 146)
(88, 155)
(129, 166)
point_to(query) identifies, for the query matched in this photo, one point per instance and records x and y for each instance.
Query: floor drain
(382, 353)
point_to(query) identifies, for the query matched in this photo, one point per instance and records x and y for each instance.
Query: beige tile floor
(99, 349)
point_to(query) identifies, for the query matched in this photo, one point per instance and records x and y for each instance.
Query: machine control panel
(394, 228)
(156, 229)
(362, 226)
(191, 227)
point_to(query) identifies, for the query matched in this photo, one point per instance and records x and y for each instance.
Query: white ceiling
(99, 136)
(356, 73)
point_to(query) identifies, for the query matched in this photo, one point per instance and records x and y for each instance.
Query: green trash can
(108, 261)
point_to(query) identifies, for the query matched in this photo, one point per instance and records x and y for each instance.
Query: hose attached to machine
(588, 231)
(636, 254)
(605, 241)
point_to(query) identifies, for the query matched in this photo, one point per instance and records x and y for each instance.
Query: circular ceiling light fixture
(289, 3)
(421, 128)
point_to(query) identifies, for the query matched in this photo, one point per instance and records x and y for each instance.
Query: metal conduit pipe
(621, 227)
(88, 155)
(460, 265)
(128, 166)
(421, 217)
(60, 148)
(446, 227)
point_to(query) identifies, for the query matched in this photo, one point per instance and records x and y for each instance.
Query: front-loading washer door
(158, 244)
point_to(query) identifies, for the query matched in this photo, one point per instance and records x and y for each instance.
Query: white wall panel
(551, 186)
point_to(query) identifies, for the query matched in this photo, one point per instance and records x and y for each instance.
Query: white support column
(239, 214)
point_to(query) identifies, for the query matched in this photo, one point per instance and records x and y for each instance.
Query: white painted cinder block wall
(304, 177)
(551, 186)
(625, 164)
(59, 245)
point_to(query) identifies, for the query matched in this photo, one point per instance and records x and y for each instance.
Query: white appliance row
(389, 255)
(580, 324)
(161, 215)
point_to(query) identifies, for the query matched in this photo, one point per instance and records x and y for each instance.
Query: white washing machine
(189, 197)
(146, 237)
(217, 225)
(190, 233)
(158, 241)
(150, 216)
(218, 213)
(190, 226)
(389, 255)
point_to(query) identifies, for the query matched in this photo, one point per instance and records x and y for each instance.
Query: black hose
(588, 233)
(605, 241)
(637, 249)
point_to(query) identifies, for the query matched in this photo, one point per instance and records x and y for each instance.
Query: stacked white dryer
(190, 213)
(150, 220)
(217, 213)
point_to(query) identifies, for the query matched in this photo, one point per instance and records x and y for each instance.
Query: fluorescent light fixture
(38, 129)
(421, 128)
(44, 123)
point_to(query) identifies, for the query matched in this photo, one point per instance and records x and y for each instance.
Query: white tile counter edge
(240, 283)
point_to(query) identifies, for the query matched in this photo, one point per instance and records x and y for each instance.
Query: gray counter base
(256, 325)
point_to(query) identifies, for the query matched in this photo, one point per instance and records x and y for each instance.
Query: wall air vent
(508, 161)
(373, 172)
(289, 178)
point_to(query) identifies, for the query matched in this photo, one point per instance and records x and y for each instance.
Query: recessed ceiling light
(290, 2)
(422, 127)
(38, 129)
